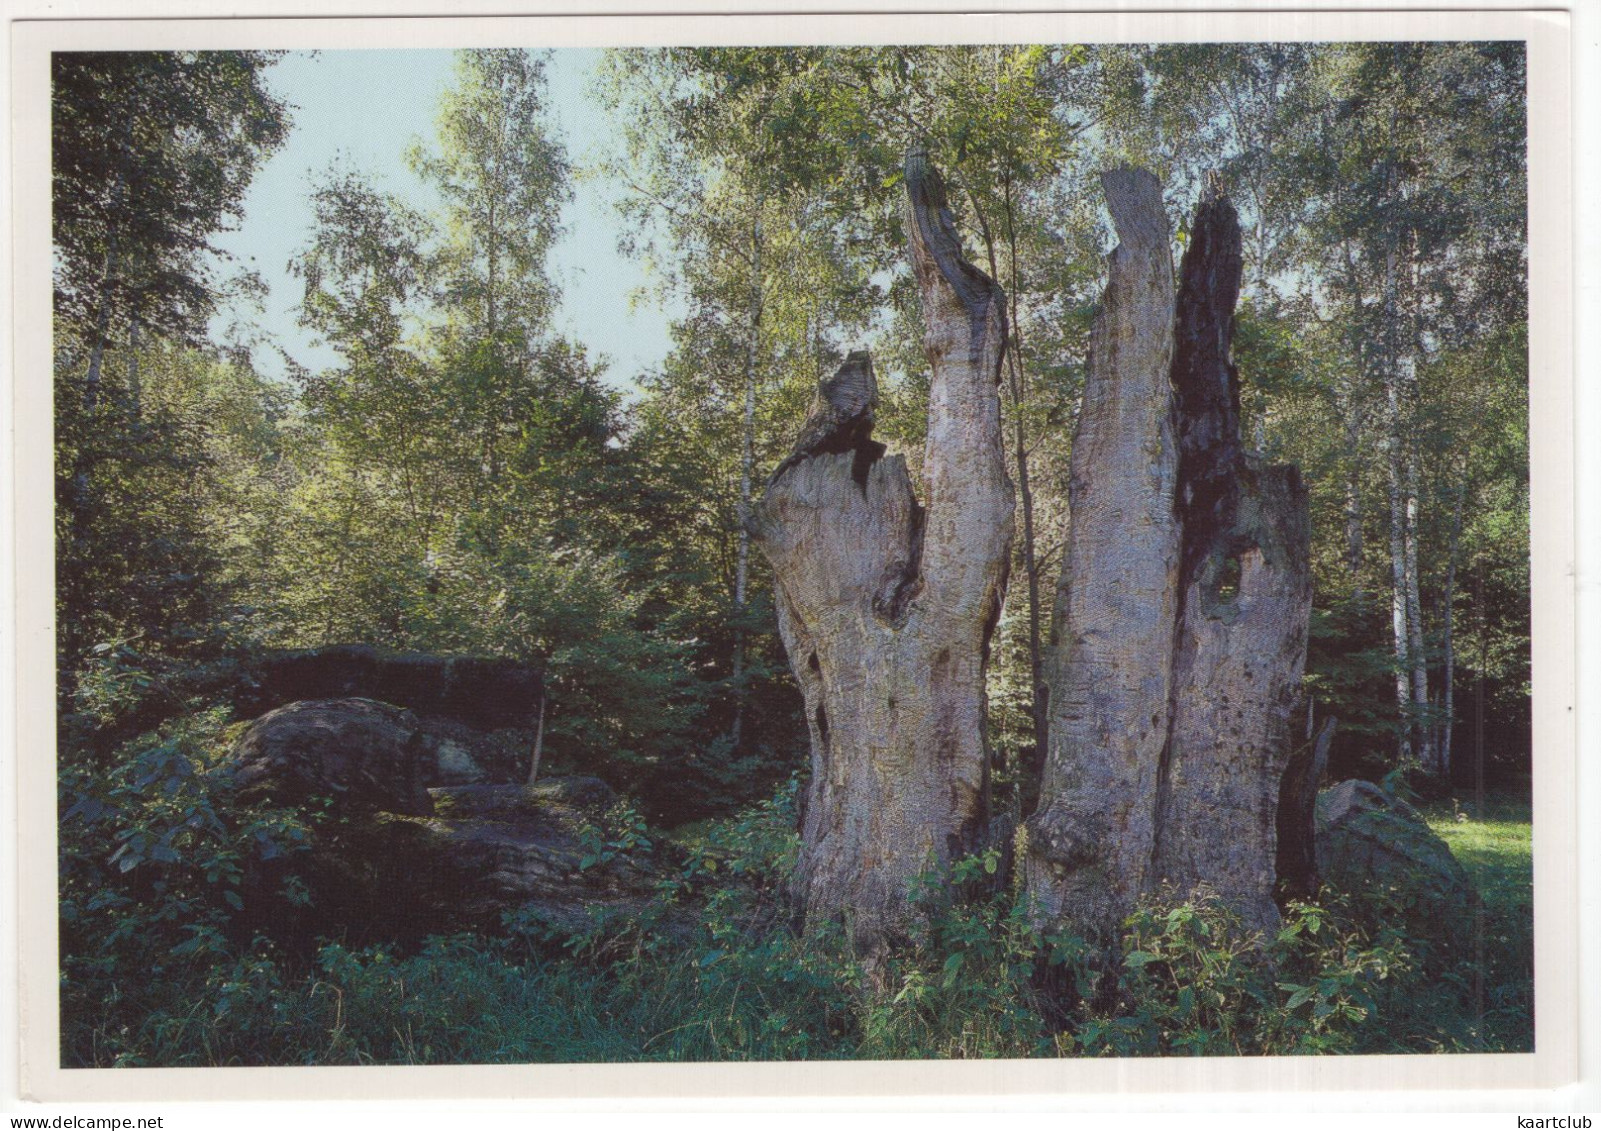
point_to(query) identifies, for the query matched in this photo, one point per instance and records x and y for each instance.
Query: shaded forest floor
(979, 981)
(1497, 849)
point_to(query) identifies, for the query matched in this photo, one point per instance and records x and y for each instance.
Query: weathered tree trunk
(1183, 607)
(1091, 840)
(886, 609)
(1246, 599)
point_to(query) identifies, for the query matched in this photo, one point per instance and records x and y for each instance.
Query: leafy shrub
(154, 855)
(715, 967)
(1193, 981)
(967, 984)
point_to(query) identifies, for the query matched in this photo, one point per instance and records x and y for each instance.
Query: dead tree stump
(886, 606)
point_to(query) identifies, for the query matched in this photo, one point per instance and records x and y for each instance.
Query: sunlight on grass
(1496, 848)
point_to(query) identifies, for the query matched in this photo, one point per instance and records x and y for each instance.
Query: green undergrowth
(156, 973)
(1496, 848)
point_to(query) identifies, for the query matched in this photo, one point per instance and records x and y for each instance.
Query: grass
(1496, 849)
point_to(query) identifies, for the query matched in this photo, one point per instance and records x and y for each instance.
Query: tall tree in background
(719, 193)
(1416, 225)
(816, 135)
(463, 484)
(503, 180)
(151, 152)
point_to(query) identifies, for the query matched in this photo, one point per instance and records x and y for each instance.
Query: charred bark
(886, 608)
(1183, 607)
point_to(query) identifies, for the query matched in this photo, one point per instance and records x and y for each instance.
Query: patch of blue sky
(361, 110)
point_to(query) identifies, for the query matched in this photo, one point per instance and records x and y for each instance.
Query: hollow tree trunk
(886, 609)
(1246, 600)
(1183, 606)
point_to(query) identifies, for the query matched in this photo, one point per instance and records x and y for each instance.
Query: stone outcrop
(364, 755)
(482, 692)
(410, 834)
(1373, 845)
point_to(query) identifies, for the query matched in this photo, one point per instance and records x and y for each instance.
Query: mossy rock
(1378, 850)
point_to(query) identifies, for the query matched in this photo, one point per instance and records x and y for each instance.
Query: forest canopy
(465, 477)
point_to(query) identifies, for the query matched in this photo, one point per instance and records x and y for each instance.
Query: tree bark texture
(1183, 607)
(886, 608)
(1091, 840)
(1246, 600)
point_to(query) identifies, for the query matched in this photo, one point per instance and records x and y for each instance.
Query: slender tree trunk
(747, 466)
(1184, 604)
(1411, 654)
(108, 277)
(886, 610)
(135, 390)
(1353, 417)
(1479, 689)
(1417, 648)
(539, 737)
(1031, 567)
(97, 353)
(1016, 387)
(1401, 506)
(1400, 634)
(1448, 640)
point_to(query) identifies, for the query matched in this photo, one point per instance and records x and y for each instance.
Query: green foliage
(464, 479)
(622, 832)
(714, 969)
(151, 154)
(1195, 983)
(155, 854)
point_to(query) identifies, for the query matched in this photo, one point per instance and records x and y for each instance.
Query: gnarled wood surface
(1183, 608)
(1090, 843)
(1246, 601)
(886, 608)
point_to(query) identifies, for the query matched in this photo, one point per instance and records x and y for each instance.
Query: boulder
(363, 756)
(412, 840)
(366, 756)
(1377, 848)
(509, 847)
